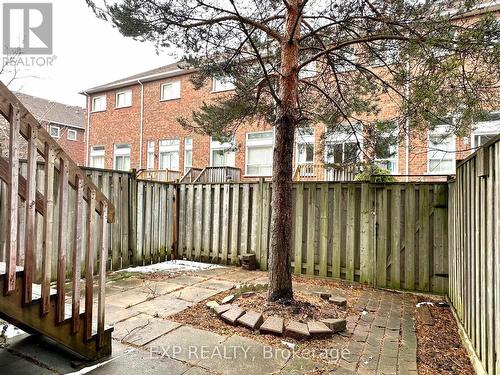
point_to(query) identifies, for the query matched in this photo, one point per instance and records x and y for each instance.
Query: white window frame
(188, 146)
(150, 163)
(121, 151)
(343, 137)
(97, 151)
(256, 144)
(55, 127)
(395, 158)
(304, 139)
(226, 147)
(128, 98)
(102, 98)
(222, 84)
(439, 130)
(176, 91)
(74, 137)
(487, 127)
(168, 146)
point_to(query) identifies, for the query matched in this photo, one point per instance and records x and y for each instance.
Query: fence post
(175, 219)
(132, 216)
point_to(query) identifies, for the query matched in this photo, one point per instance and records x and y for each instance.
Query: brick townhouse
(65, 123)
(132, 123)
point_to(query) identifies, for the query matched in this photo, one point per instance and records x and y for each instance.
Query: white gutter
(87, 131)
(407, 121)
(141, 125)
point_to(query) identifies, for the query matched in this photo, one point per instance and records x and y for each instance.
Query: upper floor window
(122, 157)
(222, 84)
(99, 103)
(124, 99)
(484, 131)
(169, 154)
(441, 150)
(259, 155)
(150, 162)
(170, 90)
(97, 156)
(222, 154)
(72, 134)
(55, 131)
(188, 154)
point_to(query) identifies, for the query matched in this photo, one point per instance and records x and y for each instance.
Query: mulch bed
(440, 349)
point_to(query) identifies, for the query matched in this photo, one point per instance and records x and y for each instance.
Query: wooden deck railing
(322, 172)
(32, 204)
(190, 175)
(219, 174)
(162, 175)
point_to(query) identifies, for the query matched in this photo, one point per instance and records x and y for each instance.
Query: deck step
(27, 317)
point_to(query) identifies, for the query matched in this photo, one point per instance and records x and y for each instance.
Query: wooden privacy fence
(391, 235)
(474, 238)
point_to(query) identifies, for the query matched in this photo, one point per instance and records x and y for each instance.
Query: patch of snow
(424, 303)
(173, 266)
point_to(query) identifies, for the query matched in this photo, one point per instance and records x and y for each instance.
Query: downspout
(407, 120)
(87, 135)
(141, 124)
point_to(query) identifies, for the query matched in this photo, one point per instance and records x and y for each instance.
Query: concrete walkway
(380, 339)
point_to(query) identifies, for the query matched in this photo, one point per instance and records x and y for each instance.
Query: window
(122, 157)
(222, 84)
(308, 71)
(441, 150)
(345, 59)
(486, 130)
(150, 162)
(169, 154)
(72, 135)
(99, 103)
(384, 52)
(386, 150)
(55, 131)
(97, 156)
(170, 90)
(305, 146)
(341, 145)
(222, 154)
(259, 154)
(124, 99)
(188, 154)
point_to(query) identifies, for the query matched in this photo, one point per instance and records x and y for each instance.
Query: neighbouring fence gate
(474, 237)
(388, 235)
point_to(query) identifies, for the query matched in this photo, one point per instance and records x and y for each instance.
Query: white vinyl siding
(122, 157)
(259, 154)
(97, 157)
(99, 103)
(169, 154)
(170, 90)
(124, 99)
(486, 130)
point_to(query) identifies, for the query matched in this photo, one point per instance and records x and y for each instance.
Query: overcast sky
(88, 52)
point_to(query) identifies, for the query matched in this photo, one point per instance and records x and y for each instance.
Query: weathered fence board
(474, 257)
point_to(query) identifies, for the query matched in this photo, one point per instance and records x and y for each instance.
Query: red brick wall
(75, 149)
(122, 125)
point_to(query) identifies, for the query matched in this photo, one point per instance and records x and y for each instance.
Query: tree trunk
(280, 275)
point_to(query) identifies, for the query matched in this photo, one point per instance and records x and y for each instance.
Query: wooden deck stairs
(53, 231)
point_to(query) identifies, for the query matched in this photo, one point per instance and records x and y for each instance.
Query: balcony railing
(191, 175)
(219, 174)
(322, 172)
(162, 175)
